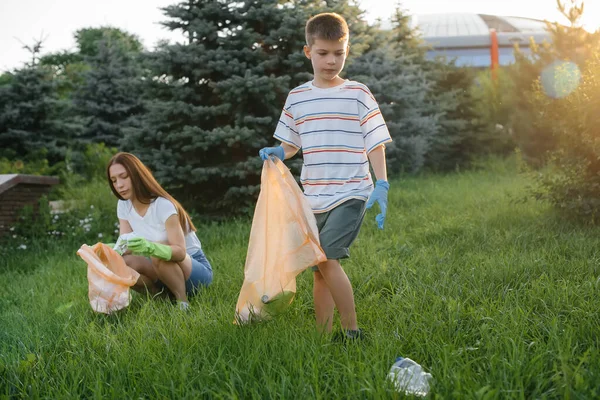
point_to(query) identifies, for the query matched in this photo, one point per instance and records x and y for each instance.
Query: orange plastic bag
(284, 241)
(109, 278)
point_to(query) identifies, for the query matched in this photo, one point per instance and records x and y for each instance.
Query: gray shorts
(338, 228)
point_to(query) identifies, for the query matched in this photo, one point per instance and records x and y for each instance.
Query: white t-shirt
(152, 225)
(335, 128)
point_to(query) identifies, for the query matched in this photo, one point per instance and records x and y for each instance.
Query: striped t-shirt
(335, 128)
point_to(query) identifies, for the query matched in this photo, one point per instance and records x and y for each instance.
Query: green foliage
(497, 299)
(36, 167)
(569, 43)
(108, 99)
(460, 137)
(88, 164)
(89, 40)
(86, 213)
(555, 119)
(5, 78)
(572, 182)
(31, 116)
(493, 105)
(84, 208)
(67, 70)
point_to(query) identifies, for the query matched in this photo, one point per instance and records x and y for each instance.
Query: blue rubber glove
(276, 151)
(380, 195)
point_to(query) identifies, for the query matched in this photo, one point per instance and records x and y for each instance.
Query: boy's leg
(341, 291)
(338, 228)
(324, 304)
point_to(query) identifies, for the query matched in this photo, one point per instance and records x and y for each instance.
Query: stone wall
(18, 191)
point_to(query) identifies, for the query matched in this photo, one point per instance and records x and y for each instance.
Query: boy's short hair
(326, 26)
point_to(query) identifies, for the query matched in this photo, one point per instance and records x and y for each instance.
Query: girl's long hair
(145, 187)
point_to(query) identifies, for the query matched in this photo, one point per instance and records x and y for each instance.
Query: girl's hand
(142, 247)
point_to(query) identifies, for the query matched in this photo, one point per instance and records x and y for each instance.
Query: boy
(338, 126)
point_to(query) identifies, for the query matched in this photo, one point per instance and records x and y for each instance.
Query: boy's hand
(276, 151)
(142, 247)
(380, 195)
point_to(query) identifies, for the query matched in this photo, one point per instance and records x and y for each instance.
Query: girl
(165, 249)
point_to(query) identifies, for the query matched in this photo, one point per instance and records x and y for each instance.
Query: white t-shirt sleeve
(373, 126)
(287, 131)
(164, 209)
(122, 211)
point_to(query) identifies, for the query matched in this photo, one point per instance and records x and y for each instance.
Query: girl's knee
(161, 265)
(135, 262)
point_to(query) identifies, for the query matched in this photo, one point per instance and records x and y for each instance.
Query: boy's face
(327, 58)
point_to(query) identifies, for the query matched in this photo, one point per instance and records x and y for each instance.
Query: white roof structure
(466, 38)
(444, 25)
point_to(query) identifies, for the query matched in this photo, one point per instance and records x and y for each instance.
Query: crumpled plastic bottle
(409, 377)
(121, 245)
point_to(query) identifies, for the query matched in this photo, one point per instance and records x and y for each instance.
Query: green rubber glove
(142, 247)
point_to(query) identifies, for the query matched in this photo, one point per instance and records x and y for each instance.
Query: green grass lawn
(496, 297)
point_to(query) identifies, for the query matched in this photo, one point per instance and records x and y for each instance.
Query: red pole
(494, 52)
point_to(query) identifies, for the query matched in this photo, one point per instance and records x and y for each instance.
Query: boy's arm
(288, 150)
(377, 159)
(376, 135)
(287, 133)
(379, 195)
(283, 152)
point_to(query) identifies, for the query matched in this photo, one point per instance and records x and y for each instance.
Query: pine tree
(31, 114)
(216, 99)
(109, 97)
(460, 137)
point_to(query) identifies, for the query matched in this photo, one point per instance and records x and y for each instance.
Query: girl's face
(121, 181)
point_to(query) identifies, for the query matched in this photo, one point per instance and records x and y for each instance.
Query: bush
(37, 167)
(532, 125)
(89, 163)
(572, 180)
(88, 216)
(494, 103)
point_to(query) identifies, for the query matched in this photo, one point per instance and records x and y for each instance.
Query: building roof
(466, 37)
(445, 25)
(10, 180)
(468, 24)
(466, 30)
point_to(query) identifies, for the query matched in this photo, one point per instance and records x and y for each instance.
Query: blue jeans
(202, 275)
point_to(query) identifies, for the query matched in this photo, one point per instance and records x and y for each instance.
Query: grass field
(496, 297)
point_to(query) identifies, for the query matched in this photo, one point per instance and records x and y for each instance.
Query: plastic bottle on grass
(409, 377)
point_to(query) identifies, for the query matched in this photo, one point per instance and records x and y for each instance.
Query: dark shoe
(348, 336)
